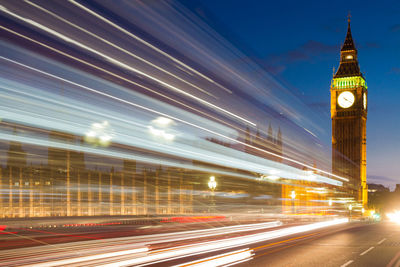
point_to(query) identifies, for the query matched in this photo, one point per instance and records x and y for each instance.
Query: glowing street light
(212, 184)
(362, 210)
(330, 202)
(393, 216)
(350, 208)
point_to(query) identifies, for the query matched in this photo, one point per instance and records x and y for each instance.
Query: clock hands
(346, 99)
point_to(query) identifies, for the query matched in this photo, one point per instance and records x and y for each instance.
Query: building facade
(349, 119)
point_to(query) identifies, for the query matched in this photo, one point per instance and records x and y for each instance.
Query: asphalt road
(364, 245)
(345, 244)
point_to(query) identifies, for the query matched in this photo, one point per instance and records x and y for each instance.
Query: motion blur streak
(131, 241)
(132, 132)
(287, 172)
(298, 175)
(212, 246)
(147, 44)
(84, 87)
(93, 257)
(222, 259)
(121, 64)
(117, 47)
(219, 231)
(135, 256)
(118, 76)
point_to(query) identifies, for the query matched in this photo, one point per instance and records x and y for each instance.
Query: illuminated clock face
(346, 99)
(365, 101)
(349, 57)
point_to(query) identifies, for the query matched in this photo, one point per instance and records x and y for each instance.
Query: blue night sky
(299, 43)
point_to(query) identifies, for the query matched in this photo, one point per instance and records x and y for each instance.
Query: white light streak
(319, 178)
(92, 257)
(163, 121)
(118, 47)
(147, 44)
(201, 248)
(221, 259)
(123, 65)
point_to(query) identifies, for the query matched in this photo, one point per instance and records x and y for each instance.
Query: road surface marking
(347, 263)
(380, 242)
(285, 247)
(365, 252)
(284, 241)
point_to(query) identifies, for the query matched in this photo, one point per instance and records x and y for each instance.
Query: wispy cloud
(395, 70)
(369, 45)
(308, 51)
(335, 25)
(323, 105)
(395, 28)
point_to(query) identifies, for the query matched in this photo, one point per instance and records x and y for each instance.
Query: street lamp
(330, 202)
(212, 184)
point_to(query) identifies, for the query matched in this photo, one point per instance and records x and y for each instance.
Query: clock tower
(349, 119)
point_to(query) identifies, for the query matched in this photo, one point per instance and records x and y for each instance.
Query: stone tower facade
(349, 119)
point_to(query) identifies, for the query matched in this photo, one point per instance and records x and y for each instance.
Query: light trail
(61, 75)
(303, 176)
(147, 44)
(118, 47)
(291, 173)
(138, 241)
(92, 257)
(229, 243)
(121, 64)
(231, 139)
(187, 152)
(140, 255)
(91, 65)
(198, 44)
(136, 84)
(238, 256)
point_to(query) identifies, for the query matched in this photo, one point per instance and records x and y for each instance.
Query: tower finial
(349, 17)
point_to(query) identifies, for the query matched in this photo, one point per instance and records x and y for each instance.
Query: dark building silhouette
(269, 143)
(397, 189)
